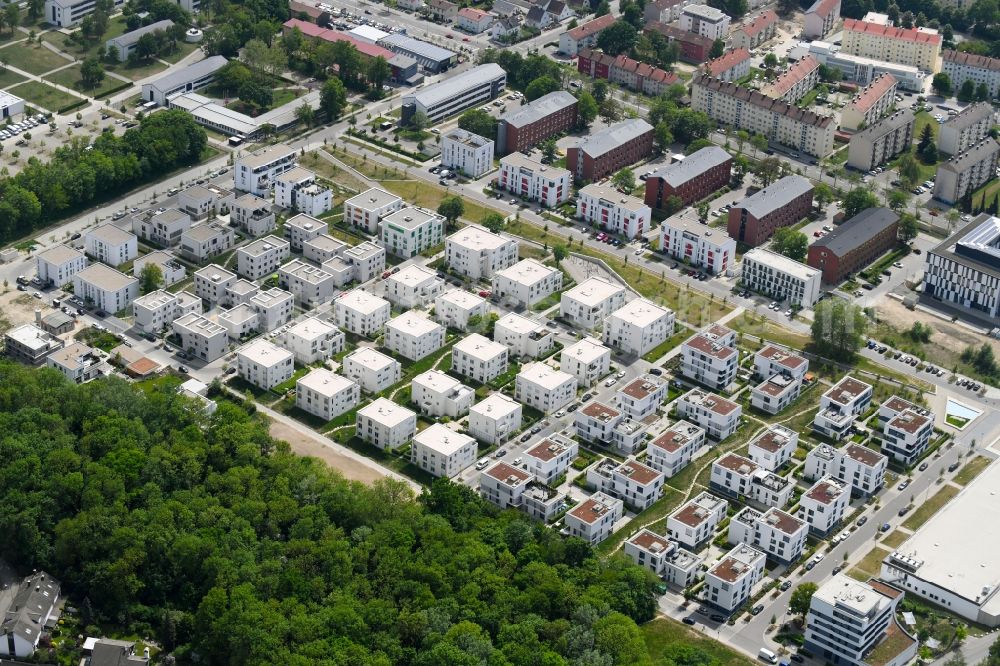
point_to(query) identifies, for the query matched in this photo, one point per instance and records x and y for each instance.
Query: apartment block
(587, 360)
(413, 287)
(697, 245)
(361, 313)
(775, 393)
(663, 557)
(533, 181)
(297, 190)
(916, 47)
(310, 286)
(262, 257)
(544, 388)
(729, 584)
(255, 173)
(792, 84)
(527, 282)
(710, 358)
(781, 204)
(312, 340)
(442, 452)
(593, 520)
(779, 535)
(164, 229)
(58, 265)
(783, 279)
(410, 230)
(30, 344)
(110, 245)
(611, 149)
(840, 406)
(204, 241)
(584, 35)
(693, 525)
(386, 425)
(870, 103)
(589, 303)
(960, 67)
(632, 482)
(613, 211)
(158, 309)
(705, 21)
(965, 130)
(372, 370)
(630, 74)
(820, 18)
(366, 259)
(171, 270)
(252, 215)
(78, 362)
(274, 307)
(907, 434)
(413, 335)
(479, 358)
(240, 321)
(692, 179)
(670, 452)
(966, 172)
(638, 327)
(772, 360)
(753, 32)
(367, 209)
(743, 479)
(323, 248)
(105, 288)
(730, 66)
(201, 337)
(522, 128)
(437, 394)
(855, 244)
(881, 142)
(596, 422)
(326, 394)
(495, 419)
(642, 396)
(241, 292)
(478, 253)
(718, 416)
(823, 505)
(525, 338)
(858, 466)
(774, 447)
(551, 457)
(454, 308)
(694, 48)
(467, 153)
(265, 364)
(503, 485)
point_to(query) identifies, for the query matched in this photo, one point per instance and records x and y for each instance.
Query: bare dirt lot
(948, 340)
(18, 307)
(304, 445)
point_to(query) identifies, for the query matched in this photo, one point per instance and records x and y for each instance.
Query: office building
(589, 303)
(780, 278)
(670, 452)
(966, 172)
(961, 67)
(593, 520)
(482, 83)
(550, 115)
(105, 288)
(57, 265)
(823, 505)
(265, 365)
(587, 360)
(730, 582)
(411, 230)
(792, 84)
(533, 181)
(753, 32)
(870, 103)
(466, 153)
(638, 327)
(783, 203)
(432, 59)
(479, 358)
(608, 150)
(705, 21)
(478, 253)
(964, 269)
(820, 18)
(437, 394)
(716, 415)
(711, 358)
(525, 283)
(693, 524)
(779, 535)
(525, 338)
(495, 419)
(609, 209)
(916, 47)
(880, 143)
(386, 425)
(326, 394)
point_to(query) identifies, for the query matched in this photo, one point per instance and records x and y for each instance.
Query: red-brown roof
(864, 455)
(715, 403)
(508, 474)
(909, 421)
(846, 390)
(781, 357)
(472, 13)
(873, 92)
(791, 76)
(313, 30)
(709, 347)
(782, 521)
(671, 441)
(142, 367)
(638, 472)
(738, 464)
(891, 32)
(761, 100)
(971, 59)
(623, 62)
(591, 510)
(760, 22)
(691, 514)
(824, 7)
(731, 570)
(772, 440)
(641, 387)
(592, 27)
(546, 450)
(648, 541)
(824, 492)
(597, 410)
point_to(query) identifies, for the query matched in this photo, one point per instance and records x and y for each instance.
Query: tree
(673, 204)
(12, 14)
(624, 180)
(305, 114)
(759, 142)
(941, 83)
(332, 98)
(662, 136)
(790, 243)
(929, 155)
(254, 92)
(982, 92)
(91, 72)
(603, 9)
(478, 122)
(549, 148)
(897, 199)
(909, 170)
(920, 332)
(967, 92)
(377, 73)
(232, 76)
(766, 171)
(801, 598)
(703, 208)
(770, 61)
(823, 195)
(586, 109)
(618, 38)
(559, 252)
(599, 89)
(926, 138)
(610, 111)
(494, 222)
(35, 9)
(857, 200)
(146, 47)
(112, 54)
(907, 228)
(150, 278)
(718, 48)
(540, 87)
(419, 121)
(838, 329)
(451, 209)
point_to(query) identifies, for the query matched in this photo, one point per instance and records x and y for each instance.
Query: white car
(561, 413)
(611, 382)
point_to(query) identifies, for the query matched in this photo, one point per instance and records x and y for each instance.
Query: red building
(625, 71)
(610, 149)
(693, 178)
(694, 48)
(855, 244)
(780, 204)
(526, 126)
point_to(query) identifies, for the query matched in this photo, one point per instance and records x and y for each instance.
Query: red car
(484, 294)
(386, 274)
(450, 36)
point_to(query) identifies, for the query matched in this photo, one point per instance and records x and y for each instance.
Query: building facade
(876, 145)
(781, 204)
(778, 277)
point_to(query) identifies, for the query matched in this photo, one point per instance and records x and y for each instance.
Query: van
(768, 656)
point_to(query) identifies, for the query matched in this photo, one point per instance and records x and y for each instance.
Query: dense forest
(207, 535)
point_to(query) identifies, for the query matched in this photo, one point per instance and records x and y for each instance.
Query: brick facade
(746, 228)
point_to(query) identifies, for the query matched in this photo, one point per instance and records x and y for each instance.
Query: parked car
(688, 620)
(952, 467)
(861, 521)
(785, 584)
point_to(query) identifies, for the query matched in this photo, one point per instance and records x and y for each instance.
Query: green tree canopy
(838, 329)
(478, 122)
(619, 38)
(801, 598)
(792, 244)
(857, 200)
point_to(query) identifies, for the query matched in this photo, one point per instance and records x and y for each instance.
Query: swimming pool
(958, 414)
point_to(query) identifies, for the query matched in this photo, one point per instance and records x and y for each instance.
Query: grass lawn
(44, 95)
(662, 635)
(924, 511)
(971, 470)
(332, 172)
(8, 35)
(839, 157)
(762, 327)
(525, 251)
(183, 49)
(32, 58)
(9, 78)
(957, 421)
(870, 566)
(70, 78)
(896, 539)
(986, 193)
(138, 71)
(419, 193)
(654, 355)
(61, 41)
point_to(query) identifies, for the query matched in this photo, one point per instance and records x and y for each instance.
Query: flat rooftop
(413, 276)
(594, 508)
(264, 353)
(527, 272)
(739, 562)
(60, 254)
(594, 291)
(545, 376)
(370, 358)
(443, 440)
(641, 312)
(678, 436)
(496, 406)
(698, 510)
(386, 412)
(508, 474)
(479, 347)
(600, 412)
(362, 301)
(461, 298)
(519, 324)
(586, 351)
(475, 237)
(548, 449)
(264, 245)
(781, 263)
(105, 278)
(372, 199)
(311, 328)
(111, 234)
(414, 323)
(846, 391)
(325, 382)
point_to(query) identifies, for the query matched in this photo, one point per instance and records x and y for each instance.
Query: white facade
(326, 394)
(642, 396)
(479, 358)
(105, 288)
(663, 557)
(361, 313)
(705, 21)
(840, 406)
(527, 282)
(632, 482)
(534, 181)
(495, 419)
(367, 259)
(710, 357)
(240, 321)
(730, 583)
(698, 246)
(824, 504)
(442, 452)
(171, 270)
(297, 189)
(157, 310)
(694, 524)
(774, 447)
(779, 535)
(309, 285)
(201, 337)
(672, 451)
(386, 425)
(906, 434)
(525, 338)
(593, 520)
(255, 173)
(551, 457)
(164, 228)
(860, 467)
(78, 362)
(413, 287)
(322, 248)
(262, 257)
(253, 215)
(274, 307)
(610, 209)
(742, 478)
(111, 245)
(587, 360)
(478, 253)
(301, 228)
(413, 335)
(437, 394)
(638, 326)
(589, 303)
(367, 209)
(202, 242)
(409, 231)
(773, 360)
(371, 369)
(545, 389)
(783, 279)
(454, 308)
(718, 416)
(265, 364)
(313, 340)
(504, 485)
(596, 422)
(465, 152)
(59, 264)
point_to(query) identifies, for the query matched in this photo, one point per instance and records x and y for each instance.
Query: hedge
(123, 86)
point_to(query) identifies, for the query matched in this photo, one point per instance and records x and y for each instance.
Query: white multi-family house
(158, 309)
(467, 153)
(693, 524)
(437, 394)
(618, 213)
(105, 288)
(454, 308)
(309, 285)
(367, 259)
(313, 340)
(479, 358)
(253, 215)
(710, 357)
(778, 534)
(413, 335)
(78, 362)
(503, 485)
(201, 337)
(495, 419)
(301, 227)
(587, 360)
(171, 270)
(774, 447)
(361, 313)
(663, 557)
(527, 282)
(906, 431)
(859, 466)
(274, 306)
(534, 181)
(241, 292)
(322, 248)
(525, 338)
(386, 425)
(372, 370)
(596, 422)
(544, 388)
(164, 228)
(409, 231)
(638, 326)
(589, 303)
(442, 452)
(413, 287)
(642, 396)
(59, 264)
(775, 393)
(240, 321)
(840, 406)
(297, 189)
(204, 241)
(264, 364)
(326, 394)
(478, 253)
(632, 482)
(551, 457)
(672, 451)
(110, 245)
(593, 520)
(367, 209)
(255, 173)
(730, 583)
(824, 504)
(262, 257)
(742, 478)
(628, 436)
(773, 360)
(718, 416)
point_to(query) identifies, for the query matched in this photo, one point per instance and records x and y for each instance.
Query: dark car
(861, 521)
(810, 564)
(586, 397)
(952, 467)
(885, 527)
(74, 236)
(902, 512)
(922, 467)
(536, 429)
(718, 618)
(837, 569)
(182, 369)
(785, 584)
(798, 658)
(525, 437)
(573, 407)
(656, 371)
(688, 620)
(756, 610)
(702, 610)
